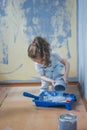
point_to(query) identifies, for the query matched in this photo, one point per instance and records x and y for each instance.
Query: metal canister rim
(68, 117)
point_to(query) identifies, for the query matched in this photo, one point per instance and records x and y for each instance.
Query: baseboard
(29, 84)
(20, 84)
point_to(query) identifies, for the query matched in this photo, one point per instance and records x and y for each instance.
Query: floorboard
(20, 113)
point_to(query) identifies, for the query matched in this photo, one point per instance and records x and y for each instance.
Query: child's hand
(52, 82)
(48, 80)
(66, 80)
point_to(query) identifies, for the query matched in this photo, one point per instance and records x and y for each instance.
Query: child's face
(38, 60)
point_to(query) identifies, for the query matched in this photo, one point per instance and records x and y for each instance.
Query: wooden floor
(20, 113)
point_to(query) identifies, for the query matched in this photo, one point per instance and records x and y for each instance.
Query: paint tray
(52, 99)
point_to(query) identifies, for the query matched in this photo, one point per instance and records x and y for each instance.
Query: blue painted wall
(21, 21)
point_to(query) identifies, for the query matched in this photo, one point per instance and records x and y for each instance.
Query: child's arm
(67, 69)
(48, 80)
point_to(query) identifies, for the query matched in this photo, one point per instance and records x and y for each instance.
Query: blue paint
(60, 39)
(5, 54)
(43, 11)
(2, 7)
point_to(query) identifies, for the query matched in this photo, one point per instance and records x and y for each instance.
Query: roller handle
(26, 94)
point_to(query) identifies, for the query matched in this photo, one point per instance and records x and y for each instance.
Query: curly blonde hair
(40, 48)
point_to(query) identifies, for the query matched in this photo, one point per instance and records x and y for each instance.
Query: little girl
(49, 65)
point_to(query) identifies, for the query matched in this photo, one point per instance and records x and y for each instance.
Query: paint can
(60, 86)
(67, 122)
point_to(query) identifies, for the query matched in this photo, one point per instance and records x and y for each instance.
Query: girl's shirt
(54, 70)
